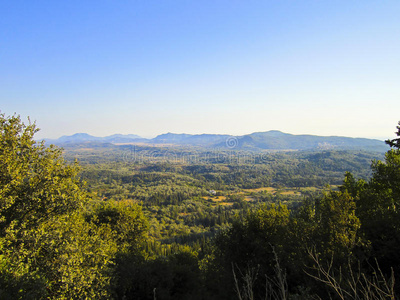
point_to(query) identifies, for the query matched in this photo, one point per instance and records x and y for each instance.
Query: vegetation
(49, 248)
(187, 223)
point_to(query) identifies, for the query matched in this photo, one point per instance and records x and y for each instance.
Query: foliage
(62, 256)
(176, 276)
(35, 183)
(337, 223)
(125, 221)
(48, 250)
(395, 143)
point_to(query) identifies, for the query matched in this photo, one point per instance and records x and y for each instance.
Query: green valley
(109, 220)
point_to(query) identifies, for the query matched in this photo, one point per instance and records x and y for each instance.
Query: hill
(257, 141)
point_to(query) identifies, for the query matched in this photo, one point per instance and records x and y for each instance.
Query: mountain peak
(275, 133)
(270, 133)
(77, 137)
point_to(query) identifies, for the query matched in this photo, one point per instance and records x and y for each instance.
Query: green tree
(379, 210)
(338, 224)
(126, 221)
(63, 258)
(47, 249)
(35, 182)
(250, 245)
(395, 143)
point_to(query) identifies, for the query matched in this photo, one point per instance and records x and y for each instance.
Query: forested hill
(269, 140)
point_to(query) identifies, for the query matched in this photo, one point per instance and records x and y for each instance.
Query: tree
(248, 246)
(35, 182)
(395, 143)
(60, 259)
(126, 221)
(379, 209)
(338, 224)
(47, 249)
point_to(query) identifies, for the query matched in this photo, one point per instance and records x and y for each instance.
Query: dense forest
(106, 221)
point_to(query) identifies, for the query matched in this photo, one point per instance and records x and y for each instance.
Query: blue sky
(236, 67)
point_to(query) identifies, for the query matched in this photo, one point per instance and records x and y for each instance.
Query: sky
(230, 67)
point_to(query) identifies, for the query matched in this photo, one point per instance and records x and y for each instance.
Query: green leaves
(126, 222)
(338, 224)
(395, 143)
(48, 250)
(35, 182)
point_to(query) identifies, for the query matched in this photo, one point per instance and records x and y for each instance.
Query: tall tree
(47, 249)
(35, 182)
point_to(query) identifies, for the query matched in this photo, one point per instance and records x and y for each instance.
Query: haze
(228, 67)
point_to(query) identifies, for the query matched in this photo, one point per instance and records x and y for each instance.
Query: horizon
(182, 133)
(225, 67)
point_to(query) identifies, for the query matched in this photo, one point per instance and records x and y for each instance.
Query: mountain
(257, 141)
(122, 138)
(279, 140)
(170, 138)
(76, 138)
(84, 138)
(272, 140)
(205, 140)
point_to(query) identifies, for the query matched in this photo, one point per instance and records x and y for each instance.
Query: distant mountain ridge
(84, 137)
(205, 140)
(269, 140)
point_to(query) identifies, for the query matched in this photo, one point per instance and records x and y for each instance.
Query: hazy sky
(150, 67)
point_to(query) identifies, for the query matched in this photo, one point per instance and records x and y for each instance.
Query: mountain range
(269, 140)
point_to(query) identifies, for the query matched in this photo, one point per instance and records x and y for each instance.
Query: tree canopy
(49, 249)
